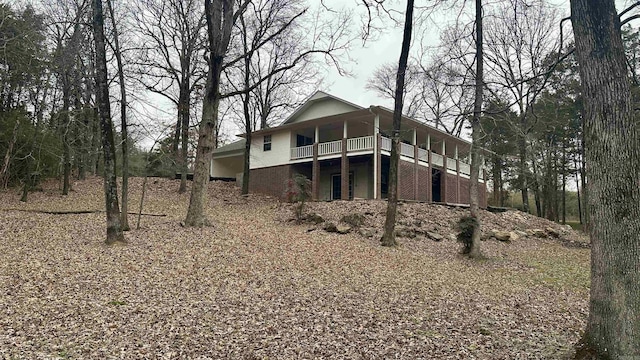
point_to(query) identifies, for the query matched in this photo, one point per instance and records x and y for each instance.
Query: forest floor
(258, 286)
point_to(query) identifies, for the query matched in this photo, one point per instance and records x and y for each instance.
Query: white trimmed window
(266, 144)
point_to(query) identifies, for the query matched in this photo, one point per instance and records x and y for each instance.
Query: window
(266, 145)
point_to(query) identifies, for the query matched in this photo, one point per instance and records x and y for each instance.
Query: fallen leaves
(255, 287)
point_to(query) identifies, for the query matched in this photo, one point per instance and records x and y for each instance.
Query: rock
(434, 236)
(356, 220)
(453, 237)
(553, 232)
(501, 235)
(314, 218)
(368, 233)
(405, 232)
(513, 236)
(343, 229)
(536, 232)
(521, 233)
(330, 227)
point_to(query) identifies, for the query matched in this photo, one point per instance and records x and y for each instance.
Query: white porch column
(455, 152)
(376, 131)
(344, 131)
(428, 142)
(444, 150)
(317, 135)
(415, 137)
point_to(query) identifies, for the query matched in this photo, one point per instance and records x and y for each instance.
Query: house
(345, 150)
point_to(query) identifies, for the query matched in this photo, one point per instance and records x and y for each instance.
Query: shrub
(298, 190)
(465, 227)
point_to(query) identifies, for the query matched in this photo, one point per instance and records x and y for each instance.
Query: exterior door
(336, 186)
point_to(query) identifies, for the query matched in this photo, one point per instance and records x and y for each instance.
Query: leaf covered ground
(255, 286)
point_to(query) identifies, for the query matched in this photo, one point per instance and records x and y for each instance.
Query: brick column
(457, 180)
(443, 180)
(429, 178)
(344, 172)
(415, 172)
(378, 184)
(315, 174)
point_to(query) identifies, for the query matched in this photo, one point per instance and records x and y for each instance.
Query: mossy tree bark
(389, 237)
(220, 19)
(123, 120)
(114, 224)
(612, 149)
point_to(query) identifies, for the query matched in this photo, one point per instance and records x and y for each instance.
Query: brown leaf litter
(254, 286)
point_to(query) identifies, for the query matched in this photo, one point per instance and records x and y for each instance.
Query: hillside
(259, 286)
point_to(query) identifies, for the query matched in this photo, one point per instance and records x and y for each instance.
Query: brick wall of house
(464, 190)
(270, 180)
(406, 180)
(450, 197)
(423, 183)
(482, 194)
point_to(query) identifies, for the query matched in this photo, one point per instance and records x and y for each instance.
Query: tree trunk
(114, 224)
(66, 147)
(389, 236)
(220, 18)
(123, 122)
(612, 141)
(564, 183)
(524, 190)
(183, 114)
(474, 208)
(246, 169)
(578, 192)
(4, 172)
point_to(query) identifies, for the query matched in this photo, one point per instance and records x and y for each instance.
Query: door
(336, 186)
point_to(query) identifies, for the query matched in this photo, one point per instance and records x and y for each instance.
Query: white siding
(322, 108)
(279, 154)
(227, 167)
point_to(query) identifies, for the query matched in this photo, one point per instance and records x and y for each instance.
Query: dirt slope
(255, 286)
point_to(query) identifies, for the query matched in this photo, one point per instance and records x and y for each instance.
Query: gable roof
(231, 149)
(332, 106)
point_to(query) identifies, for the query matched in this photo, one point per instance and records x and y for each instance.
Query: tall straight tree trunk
(4, 172)
(245, 109)
(389, 236)
(524, 187)
(564, 183)
(123, 122)
(66, 148)
(474, 202)
(612, 140)
(114, 223)
(183, 114)
(220, 19)
(578, 191)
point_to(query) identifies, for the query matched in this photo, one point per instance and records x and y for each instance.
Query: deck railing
(451, 164)
(437, 159)
(423, 155)
(386, 144)
(331, 147)
(465, 168)
(406, 150)
(365, 143)
(360, 143)
(302, 152)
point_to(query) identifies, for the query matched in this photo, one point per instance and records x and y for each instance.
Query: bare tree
(474, 208)
(114, 224)
(123, 118)
(612, 141)
(221, 17)
(171, 61)
(274, 32)
(389, 236)
(519, 38)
